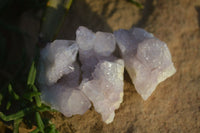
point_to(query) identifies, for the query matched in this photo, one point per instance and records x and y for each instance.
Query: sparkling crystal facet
(147, 59)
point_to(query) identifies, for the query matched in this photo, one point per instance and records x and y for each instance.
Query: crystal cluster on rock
(70, 84)
(147, 59)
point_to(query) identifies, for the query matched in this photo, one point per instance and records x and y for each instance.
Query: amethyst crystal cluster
(74, 74)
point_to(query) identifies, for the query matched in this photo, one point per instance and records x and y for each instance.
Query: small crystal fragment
(147, 59)
(105, 90)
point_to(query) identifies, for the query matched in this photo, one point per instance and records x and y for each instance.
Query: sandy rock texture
(175, 104)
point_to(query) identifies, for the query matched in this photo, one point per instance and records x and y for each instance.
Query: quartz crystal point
(56, 60)
(59, 76)
(147, 59)
(105, 90)
(92, 48)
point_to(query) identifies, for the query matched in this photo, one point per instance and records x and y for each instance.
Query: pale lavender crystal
(105, 90)
(92, 48)
(147, 59)
(68, 101)
(59, 78)
(102, 78)
(104, 44)
(56, 60)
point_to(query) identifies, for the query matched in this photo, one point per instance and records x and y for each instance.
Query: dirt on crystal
(175, 104)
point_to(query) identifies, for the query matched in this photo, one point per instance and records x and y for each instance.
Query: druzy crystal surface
(93, 47)
(105, 90)
(59, 78)
(56, 60)
(102, 78)
(147, 59)
(69, 101)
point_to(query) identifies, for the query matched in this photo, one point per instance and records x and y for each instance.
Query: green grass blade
(16, 125)
(37, 97)
(52, 128)
(12, 93)
(53, 18)
(17, 115)
(136, 3)
(32, 75)
(29, 95)
(39, 122)
(8, 105)
(43, 108)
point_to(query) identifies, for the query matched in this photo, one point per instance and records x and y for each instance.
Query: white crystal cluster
(105, 90)
(59, 78)
(102, 73)
(70, 84)
(147, 59)
(53, 64)
(93, 48)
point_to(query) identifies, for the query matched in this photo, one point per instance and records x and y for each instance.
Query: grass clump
(28, 105)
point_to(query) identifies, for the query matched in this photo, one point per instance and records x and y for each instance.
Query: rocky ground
(175, 104)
